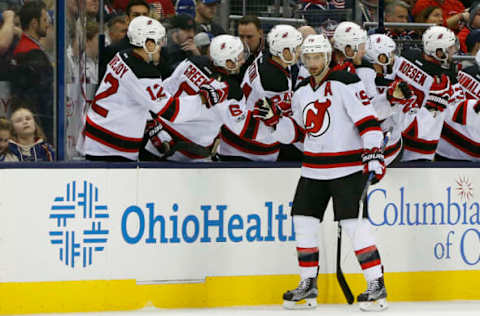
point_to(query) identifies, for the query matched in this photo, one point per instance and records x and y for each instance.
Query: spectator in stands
(453, 11)
(202, 41)
(5, 134)
(396, 11)
(28, 141)
(251, 33)
(134, 8)
(204, 15)
(473, 46)
(91, 50)
(185, 7)
(117, 29)
(181, 44)
(473, 23)
(36, 85)
(162, 9)
(91, 7)
(8, 31)
(430, 15)
(316, 12)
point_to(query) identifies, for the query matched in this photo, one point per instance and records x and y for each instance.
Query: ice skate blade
(308, 303)
(374, 306)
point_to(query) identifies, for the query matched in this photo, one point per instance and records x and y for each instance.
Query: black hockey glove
(374, 161)
(152, 130)
(398, 92)
(214, 93)
(263, 110)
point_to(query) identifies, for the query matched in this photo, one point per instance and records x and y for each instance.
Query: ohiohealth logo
(78, 220)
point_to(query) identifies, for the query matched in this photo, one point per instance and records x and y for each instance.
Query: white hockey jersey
(338, 126)
(391, 117)
(264, 79)
(469, 79)
(422, 128)
(115, 122)
(460, 139)
(203, 130)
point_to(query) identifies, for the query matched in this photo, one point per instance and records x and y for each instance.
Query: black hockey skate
(307, 290)
(374, 298)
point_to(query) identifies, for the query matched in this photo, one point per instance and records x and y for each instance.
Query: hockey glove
(213, 93)
(398, 92)
(440, 94)
(152, 130)
(264, 111)
(373, 161)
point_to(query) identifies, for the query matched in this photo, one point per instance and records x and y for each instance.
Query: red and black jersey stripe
(367, 124)
(170, 110)
(111, 139)
(460, 115)
(460, 141)
(248, 145)
(419, 145)
(393, 149)
(307, 257)
(368, 257)
(250, 128)
(176, 136)
(332, 160)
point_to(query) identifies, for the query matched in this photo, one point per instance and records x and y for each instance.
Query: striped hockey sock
(308, 262)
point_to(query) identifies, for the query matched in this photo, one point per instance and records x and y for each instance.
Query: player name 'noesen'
(413, 72)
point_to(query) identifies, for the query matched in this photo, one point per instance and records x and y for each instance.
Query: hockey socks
(306, 230)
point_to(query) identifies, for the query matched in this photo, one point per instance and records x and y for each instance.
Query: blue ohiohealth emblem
(79, 224)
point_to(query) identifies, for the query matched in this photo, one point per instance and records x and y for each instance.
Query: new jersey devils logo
(316, 117)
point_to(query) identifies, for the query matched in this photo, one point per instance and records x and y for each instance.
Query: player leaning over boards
(342, 145)
(132, 86)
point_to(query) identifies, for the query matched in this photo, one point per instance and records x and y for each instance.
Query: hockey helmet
(349, 34)
(142, 29)
(284, 37)
(227, 47)
(380, 45)
(439, 38)
(317, 43)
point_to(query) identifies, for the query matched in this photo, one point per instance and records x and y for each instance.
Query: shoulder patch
(140, 68)
(343, 76)
(272, 78)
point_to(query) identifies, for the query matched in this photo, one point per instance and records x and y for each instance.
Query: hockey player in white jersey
(342, 145)
(431, 78)
(227, 55)
(268, 77)
(132, 87)
(460, 139)
(386, 94)
(349, 41)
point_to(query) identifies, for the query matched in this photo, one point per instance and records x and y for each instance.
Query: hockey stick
(340, 276)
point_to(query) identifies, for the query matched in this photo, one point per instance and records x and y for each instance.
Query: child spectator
(5, 133)
(28, 141)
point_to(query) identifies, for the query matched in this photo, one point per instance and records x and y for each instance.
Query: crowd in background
(27, 48)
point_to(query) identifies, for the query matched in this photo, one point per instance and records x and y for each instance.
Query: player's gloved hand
(398, 92)
(440, 94)
(213, 93)
(373, 161)
(263, 110)
(152, 130)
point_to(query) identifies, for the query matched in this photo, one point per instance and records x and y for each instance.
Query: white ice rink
(458, 308)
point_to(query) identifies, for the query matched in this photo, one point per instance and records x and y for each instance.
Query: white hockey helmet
(317, 43)
(349, 34)
(439, 38)
(284, 36)
(378, 45)
(227, 47)
(143, 28)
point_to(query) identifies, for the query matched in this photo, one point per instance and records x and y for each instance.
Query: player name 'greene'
(195, 76)
(413, 72)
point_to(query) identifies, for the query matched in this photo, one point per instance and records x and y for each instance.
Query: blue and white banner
(188, 224)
